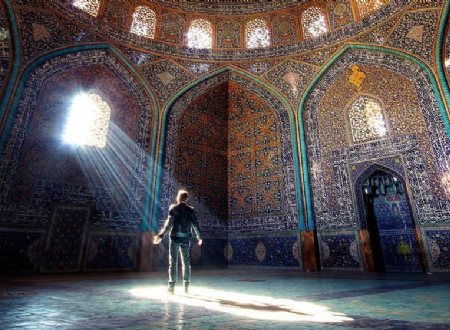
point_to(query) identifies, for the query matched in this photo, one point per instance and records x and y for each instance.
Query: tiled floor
(227, 299)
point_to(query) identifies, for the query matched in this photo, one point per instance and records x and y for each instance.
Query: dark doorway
(390, 224)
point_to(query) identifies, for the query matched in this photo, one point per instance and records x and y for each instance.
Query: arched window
(199, 34)
(144, 22)
(366, 7)
(366, 120)
(89, 6)
(88, 121)
(257, 34)
(313, 22)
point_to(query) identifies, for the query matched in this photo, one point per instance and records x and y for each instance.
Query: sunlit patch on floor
(240, 304)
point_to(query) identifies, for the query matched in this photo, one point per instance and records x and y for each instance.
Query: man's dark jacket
(180, 222)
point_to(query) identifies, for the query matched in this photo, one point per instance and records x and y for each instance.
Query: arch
(346, 51)
(225, 74)
(313, 22)
(199, 34)
(362, 129)
(367, 173)
(11, 77)
(367, 7)
(144, 22)
(150, 99)
(257, 34)
(91, 7)
(439, 52)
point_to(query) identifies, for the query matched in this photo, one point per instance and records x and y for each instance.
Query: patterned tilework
(176, 34)
(380, 34)
(4, 45)
(200, 68)
(54, 181)
(137, 57)
(255, 160)
(65, 240)
(291, 78)
(446, 51)
(116, 12)
(283, 29)
(42, 31)
(166, 78)
(339, 251)
(340, 13)
(264, 251)
(438, 242)
(319, 57)
(201, 154)
(228, 34)
(172, 28)
(257, 67)
(20, 251)
(415, 131)
(416, 34)
(111, 251)
(269, 159)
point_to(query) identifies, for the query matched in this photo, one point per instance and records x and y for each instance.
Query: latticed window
(366, 120)
(199, 34)
(88, 121)
(313, 22)
(144, 22)
(366, 7)
(89, 6)
(257, 34)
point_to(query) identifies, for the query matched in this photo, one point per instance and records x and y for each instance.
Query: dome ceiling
(229, 6)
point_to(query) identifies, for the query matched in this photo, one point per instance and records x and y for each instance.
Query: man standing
(180, 222)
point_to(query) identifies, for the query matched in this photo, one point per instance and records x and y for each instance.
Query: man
(180, 222)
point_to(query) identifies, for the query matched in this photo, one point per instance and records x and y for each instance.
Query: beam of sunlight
(240, 304)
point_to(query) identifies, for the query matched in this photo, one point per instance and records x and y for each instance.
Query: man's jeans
(176, 246)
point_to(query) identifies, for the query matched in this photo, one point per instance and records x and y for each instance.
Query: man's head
(182, 196)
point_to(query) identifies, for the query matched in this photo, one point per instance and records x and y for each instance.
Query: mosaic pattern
(4, 45)
(171, 28)
(200, 68)
(89, 6)
(380, 34)
(313, 22)
(340, 13)
(419, 136)
(291, 78)
(446, 51)
(111, 252)
(137, 57)
(21, 251)
(319, 57)
(228, 34)
(65, 240)
(144, 22)
(41, 32)
(265, 251)
(166, 78)
(116, 12)
(339, 252)
(438, 240)
(416, 34)
(332, 37)
(287, 213)
(257, 34)
(257, 67)
(283, 29)
(40, 195)
(366, 7)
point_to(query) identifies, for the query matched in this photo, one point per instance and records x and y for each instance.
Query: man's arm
(196, 228)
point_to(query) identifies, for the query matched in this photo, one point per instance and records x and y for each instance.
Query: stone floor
(227, 299)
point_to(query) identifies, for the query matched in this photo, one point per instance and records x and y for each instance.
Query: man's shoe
(186, 289)
(171, 290)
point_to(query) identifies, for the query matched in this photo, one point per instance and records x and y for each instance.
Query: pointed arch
(150, 99)
(225, 74)
(346, 51)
